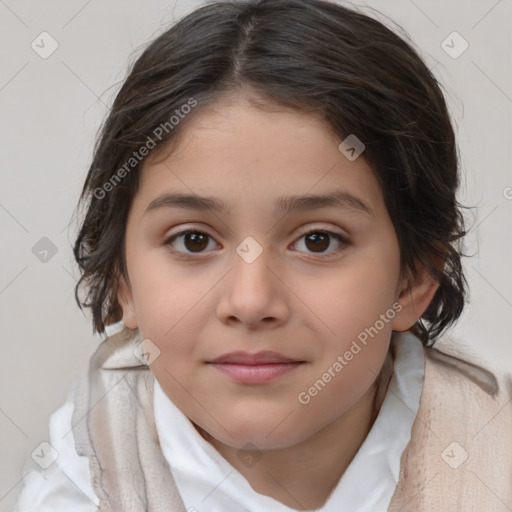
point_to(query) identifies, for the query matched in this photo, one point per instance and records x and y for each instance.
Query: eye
(318, 241)
(193, 241)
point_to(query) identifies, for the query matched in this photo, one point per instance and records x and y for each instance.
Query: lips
(259, 358)
(259, 368)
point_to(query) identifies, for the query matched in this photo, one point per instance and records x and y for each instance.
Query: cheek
(358, 308)
(166, 294)
(354, 295)
(170, 307)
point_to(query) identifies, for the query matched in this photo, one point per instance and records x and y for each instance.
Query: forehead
(244, 155)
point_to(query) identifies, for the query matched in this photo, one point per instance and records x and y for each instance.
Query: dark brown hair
(314, 56)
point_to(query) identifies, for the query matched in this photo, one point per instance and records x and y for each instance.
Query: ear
(416, 293)
(125, 299)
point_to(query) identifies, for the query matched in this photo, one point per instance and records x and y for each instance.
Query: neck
(303, 476)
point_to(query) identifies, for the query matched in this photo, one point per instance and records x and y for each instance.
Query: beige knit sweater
(459, 457)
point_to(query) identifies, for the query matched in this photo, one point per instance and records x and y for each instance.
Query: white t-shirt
(206, 481)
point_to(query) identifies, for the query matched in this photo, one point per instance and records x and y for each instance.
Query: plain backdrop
(52, 107)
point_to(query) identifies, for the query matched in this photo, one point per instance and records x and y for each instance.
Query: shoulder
(451, 366)
(64, 482)
(460, 452)
(470, 394)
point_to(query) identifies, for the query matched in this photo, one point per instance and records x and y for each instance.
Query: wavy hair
(314, 56)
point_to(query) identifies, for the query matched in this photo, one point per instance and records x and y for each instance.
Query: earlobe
(414, 298)
(125, 299)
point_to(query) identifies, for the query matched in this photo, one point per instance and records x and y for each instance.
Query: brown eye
(318, 241)
(195, 241)
(189, 241)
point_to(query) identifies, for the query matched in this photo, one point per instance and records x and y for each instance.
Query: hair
(312, 56)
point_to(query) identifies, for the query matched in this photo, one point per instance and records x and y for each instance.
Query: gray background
(50, 111)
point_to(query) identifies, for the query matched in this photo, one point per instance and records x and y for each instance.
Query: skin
(289, 299)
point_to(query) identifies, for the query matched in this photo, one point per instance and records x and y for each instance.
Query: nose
(253, 294)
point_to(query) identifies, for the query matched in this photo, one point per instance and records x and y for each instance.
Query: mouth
(257, 368)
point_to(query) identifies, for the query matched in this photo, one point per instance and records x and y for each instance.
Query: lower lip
(255, 373)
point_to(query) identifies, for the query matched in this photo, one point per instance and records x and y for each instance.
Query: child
(288, 361)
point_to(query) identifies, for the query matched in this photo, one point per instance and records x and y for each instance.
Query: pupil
(195, 238)
(319, 241)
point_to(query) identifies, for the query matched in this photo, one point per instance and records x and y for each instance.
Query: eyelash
(189, 256)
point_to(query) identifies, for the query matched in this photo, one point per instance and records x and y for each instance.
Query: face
(302, 282)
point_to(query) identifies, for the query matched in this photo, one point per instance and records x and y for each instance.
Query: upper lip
(264, 357)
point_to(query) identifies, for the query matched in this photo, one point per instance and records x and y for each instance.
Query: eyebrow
(284, 205)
